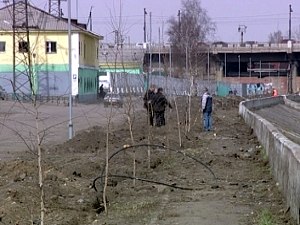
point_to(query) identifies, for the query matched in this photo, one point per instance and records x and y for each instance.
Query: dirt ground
(183, 176)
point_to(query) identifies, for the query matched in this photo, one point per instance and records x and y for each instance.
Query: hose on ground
(153, 146)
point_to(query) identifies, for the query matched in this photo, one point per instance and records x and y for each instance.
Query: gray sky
(260, 16)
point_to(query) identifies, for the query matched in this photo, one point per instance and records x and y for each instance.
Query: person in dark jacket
(160, 103)
(102, 92)
(148, 103)
(206, 105)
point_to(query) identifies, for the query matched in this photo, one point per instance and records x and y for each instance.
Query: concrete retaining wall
(283, 154)
(295, 98)
(263, 102)
(293, 101)
(292, 104)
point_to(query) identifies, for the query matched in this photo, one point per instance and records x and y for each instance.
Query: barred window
(23, 46)
(51, 47)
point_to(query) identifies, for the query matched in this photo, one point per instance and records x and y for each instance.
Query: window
(84, 50)
(51, 47)
(23, 46)
(79, 48)
(2, 46)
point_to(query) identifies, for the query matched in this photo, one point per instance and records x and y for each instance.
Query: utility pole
(290, 75)
(55, 7)
(150, 48)
(145, 35)
(23, 80)
(242, 30)
(290, 22)
(159, 52)
(70, 126)
(146, 50)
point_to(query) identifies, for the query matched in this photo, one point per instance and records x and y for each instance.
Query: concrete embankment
(293, 101)
(283, 154)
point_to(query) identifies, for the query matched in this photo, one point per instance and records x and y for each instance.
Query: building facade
(42, 65)
(256, 68)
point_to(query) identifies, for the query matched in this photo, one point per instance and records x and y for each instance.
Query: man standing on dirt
(160, 103)
(148, 102)
(206, 105)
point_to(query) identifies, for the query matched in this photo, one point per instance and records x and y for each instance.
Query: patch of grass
(169, 163)
(131, 209)
(262, 152)
(264, 155)
(266, 218)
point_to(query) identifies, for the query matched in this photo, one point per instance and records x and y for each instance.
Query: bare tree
(275, 37)
(296, 34)
(119, 28)
(188, 34)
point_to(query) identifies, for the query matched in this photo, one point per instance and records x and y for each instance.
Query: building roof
(38, 19)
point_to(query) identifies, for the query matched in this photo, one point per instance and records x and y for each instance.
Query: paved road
(286, 119)
(18, 124)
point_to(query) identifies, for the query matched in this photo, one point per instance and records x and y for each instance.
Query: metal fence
(126, 84)
(137, 84)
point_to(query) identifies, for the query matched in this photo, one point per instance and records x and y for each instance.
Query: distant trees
(278, 37)
(275, 37)
(188, 33)
(296, 34)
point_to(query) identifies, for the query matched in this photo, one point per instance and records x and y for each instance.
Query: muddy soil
(182, 174)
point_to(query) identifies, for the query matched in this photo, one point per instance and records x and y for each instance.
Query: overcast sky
(261, 17)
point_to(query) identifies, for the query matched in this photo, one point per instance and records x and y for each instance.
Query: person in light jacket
(206, 105)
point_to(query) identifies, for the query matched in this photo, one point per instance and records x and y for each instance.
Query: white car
(113, 99)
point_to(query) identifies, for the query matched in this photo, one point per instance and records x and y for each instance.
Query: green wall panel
(40, 67)
(88, 81)
(222, 89)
